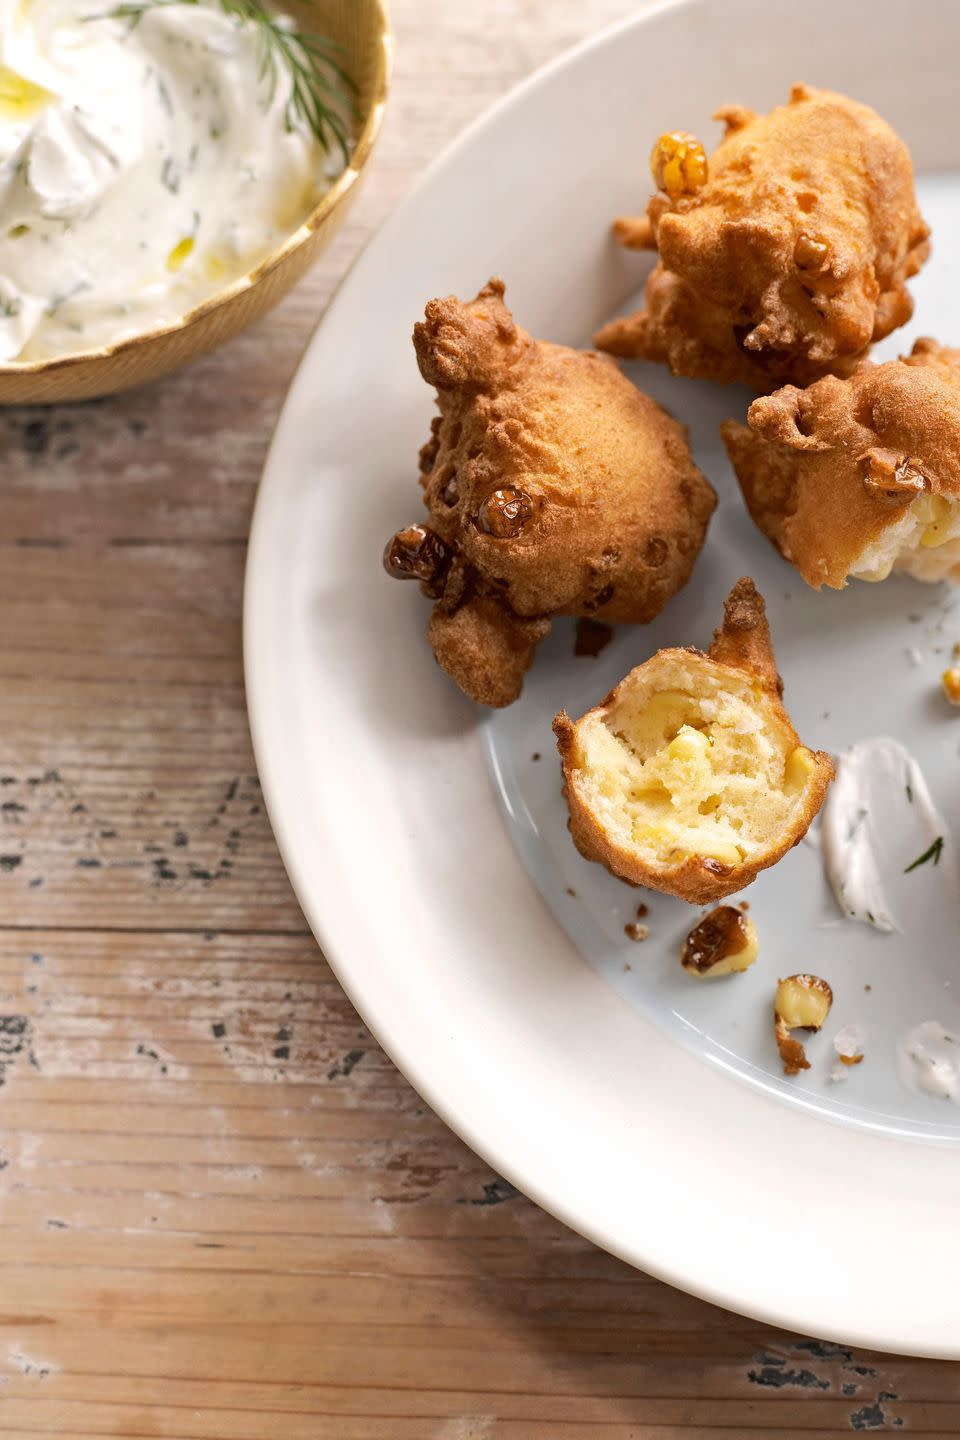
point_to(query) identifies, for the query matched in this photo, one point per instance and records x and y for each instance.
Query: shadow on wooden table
(563, 1336)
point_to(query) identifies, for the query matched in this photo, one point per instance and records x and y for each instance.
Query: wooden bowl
(363, 28)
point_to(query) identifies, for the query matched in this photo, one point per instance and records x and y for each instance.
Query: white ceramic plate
(428, 848)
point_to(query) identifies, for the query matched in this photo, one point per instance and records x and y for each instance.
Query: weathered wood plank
(223, 1214)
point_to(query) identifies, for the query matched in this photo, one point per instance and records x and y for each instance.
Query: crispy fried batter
(791, 259)
(689, 777)
(554, 487)
(860, 476)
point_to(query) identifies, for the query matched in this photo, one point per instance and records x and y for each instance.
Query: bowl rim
(344, 183)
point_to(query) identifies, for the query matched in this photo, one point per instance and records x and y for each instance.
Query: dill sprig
(932, 854)
(319, 83)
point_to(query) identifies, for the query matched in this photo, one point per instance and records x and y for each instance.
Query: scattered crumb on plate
(592, 636)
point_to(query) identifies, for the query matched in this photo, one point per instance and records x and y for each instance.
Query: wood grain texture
(224, 1214)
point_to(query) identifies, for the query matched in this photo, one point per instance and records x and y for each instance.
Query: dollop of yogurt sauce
(871, 770)
(142, 166)
(928, 1060)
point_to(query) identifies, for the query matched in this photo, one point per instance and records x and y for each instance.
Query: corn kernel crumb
(802, 1003)
(724, 942)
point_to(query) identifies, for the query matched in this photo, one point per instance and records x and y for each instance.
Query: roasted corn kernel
(893, 478)
(802, 1003)
(678, 164)
(810, 253)
(723, 943)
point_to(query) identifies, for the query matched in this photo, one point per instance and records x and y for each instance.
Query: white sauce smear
(142, 167)
(872, 776)
(928, 1060)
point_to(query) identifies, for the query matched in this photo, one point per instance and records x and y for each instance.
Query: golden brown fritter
(554, 487)
(861, 476)
(790, 259)
(689, 777)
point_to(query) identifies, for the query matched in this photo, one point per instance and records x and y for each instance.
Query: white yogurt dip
(143, 165)
(928, 1060)
(874, 775)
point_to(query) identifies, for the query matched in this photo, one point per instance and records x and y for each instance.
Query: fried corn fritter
(782, 258)
(553, 487)
(689, 777)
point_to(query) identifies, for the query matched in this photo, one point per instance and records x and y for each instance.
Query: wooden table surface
(224, 1214)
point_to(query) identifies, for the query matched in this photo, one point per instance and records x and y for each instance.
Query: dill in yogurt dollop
(149, 154)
